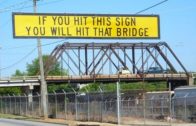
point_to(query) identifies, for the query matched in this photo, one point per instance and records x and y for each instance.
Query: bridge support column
(176, 83)
(30, 97)
(191, 81)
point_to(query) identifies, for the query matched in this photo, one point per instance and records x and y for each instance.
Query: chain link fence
(136, 107)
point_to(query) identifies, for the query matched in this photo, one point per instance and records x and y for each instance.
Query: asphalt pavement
(13, 122)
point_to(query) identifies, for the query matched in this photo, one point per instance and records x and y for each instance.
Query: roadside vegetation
(31, 70)
(147, 86)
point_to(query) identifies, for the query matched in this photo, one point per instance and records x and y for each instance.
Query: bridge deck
(91, 78)
(114, 78)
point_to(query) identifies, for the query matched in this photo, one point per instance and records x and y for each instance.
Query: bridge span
(35, 80)
(115, 78)
(101, 62)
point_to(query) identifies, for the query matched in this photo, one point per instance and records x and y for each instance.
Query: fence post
(162, 106)
(65, 104)
(39, 102)
(32, 106)
(105, 108)
(14, 104)
(122, 103)
(173, 108)
(6, 104)
(152, 104)
(25, 96)
(101, 103)
(136, 106)
(1, 104)
(76, 102)
(185, 106)
(170, 105)
(55, 103)
(20, 103)
(129, 109)
(118, 102)
(88, 105)
(144, 107)
(10, 103)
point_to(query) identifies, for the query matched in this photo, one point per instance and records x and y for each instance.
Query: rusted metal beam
(166, 59)
(177, 58)
(155, 59)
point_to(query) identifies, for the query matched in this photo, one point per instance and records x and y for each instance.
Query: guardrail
(90, 77)
(20, 78)
(114, 76)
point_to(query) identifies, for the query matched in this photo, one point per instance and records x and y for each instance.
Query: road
(12, 122)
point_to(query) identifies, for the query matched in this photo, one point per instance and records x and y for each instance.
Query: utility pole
(0, 63)
(44, 107)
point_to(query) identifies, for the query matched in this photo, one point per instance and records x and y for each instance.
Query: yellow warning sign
(29, 25)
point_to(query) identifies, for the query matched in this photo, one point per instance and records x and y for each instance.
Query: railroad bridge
(101, 62)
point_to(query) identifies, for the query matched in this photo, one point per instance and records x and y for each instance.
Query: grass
(9, 116)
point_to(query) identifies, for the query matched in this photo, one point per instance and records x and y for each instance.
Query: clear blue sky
(177, 24)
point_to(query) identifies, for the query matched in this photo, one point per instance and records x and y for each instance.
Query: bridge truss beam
(109, 58)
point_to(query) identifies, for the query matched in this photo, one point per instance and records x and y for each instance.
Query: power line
(42, 4)
(11, 7)
(23, 58)
(10, 19)
(53, 43)
(151, 6)
(25, 46)
(17, 47)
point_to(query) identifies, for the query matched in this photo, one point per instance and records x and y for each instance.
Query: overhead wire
(157, 4)
(10, 19)
(53, 42)
(11, 7)
(25, 46)
(41, 4)
(23, 58)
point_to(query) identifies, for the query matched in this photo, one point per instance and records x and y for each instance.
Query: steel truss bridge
(101, 62)
(109, 58)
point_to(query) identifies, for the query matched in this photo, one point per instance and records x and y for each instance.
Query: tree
(33, 68)
(10, 90)
(19, 73)
(59, 88)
